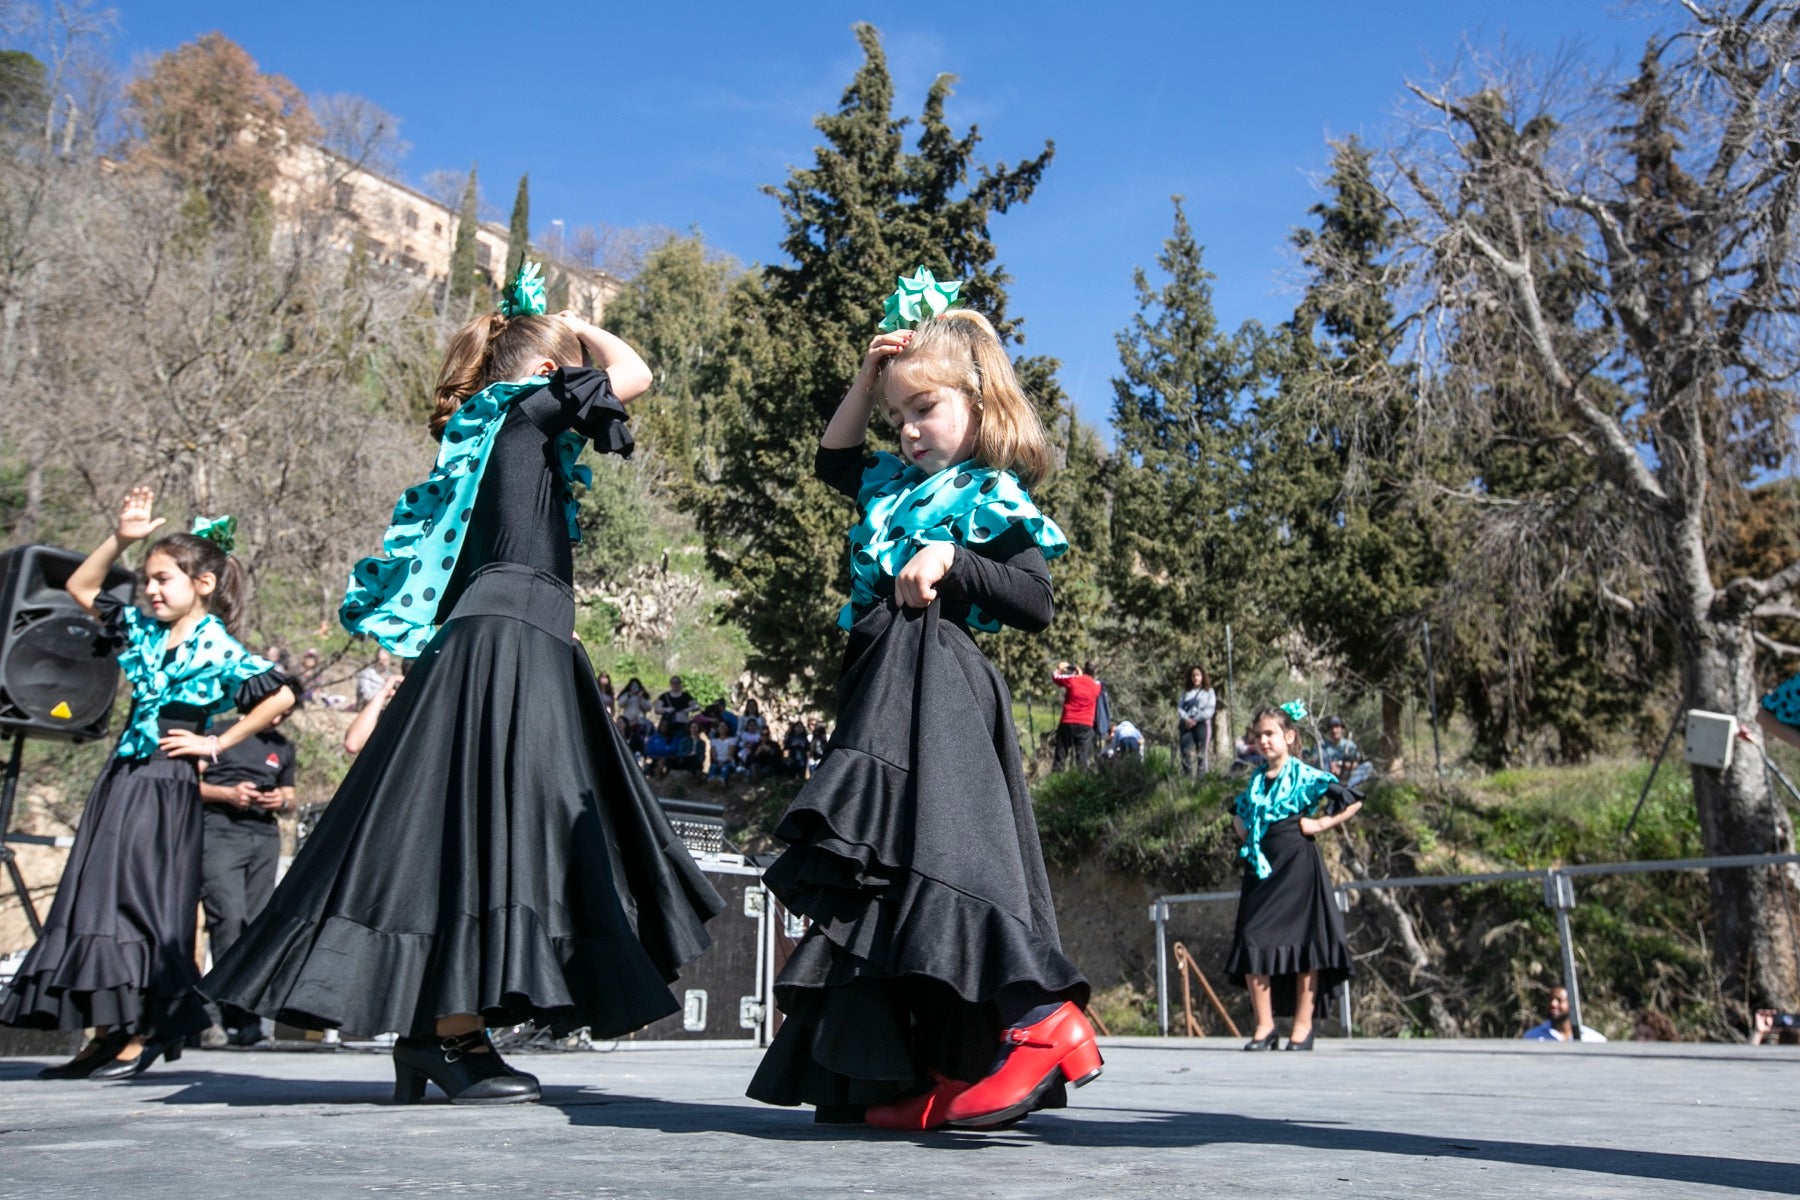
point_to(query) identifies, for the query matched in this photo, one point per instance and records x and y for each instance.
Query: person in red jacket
(1075, 730)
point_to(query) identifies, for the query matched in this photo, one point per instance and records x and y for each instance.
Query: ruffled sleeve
(123, 624)
(588, 406)
(259, 687)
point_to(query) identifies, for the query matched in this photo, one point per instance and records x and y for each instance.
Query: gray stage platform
(1469, 1120)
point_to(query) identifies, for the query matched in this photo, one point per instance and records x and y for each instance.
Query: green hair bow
(1295, 709)
(524, 296)
(919, 297)
(220, 531)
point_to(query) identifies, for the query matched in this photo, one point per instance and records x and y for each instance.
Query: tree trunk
(1391, 753)
(1755, 924)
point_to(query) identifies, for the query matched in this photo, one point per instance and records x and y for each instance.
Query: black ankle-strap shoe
(466, 1067)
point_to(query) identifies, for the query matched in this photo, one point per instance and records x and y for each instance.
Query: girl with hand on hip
(117, 951)
(1288, 945)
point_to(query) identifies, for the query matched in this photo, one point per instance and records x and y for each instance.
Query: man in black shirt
(242, 793)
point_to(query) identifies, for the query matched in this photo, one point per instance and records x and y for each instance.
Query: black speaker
(56, 679)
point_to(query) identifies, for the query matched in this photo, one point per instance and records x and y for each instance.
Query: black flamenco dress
(1288, 921)
(914, 851)
(118, 945)
(494, 849)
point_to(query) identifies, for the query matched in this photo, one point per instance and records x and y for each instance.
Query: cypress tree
(460, 287)
(518, 233)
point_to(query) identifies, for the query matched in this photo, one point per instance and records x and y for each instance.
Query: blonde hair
(960, 349)
(491, 348)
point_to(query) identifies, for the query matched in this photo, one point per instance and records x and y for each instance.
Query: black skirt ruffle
(914, 851)
(493, 850)
(118, 945)
(1289, 923)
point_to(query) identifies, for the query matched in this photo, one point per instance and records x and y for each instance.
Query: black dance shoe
(96, 1054)
(1307, 1044)
(466, 1067)
(168, 1048)
(1272, 1042)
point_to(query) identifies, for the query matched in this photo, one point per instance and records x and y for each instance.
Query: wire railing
(1559, 897)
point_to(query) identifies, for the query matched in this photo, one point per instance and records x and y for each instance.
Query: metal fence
(1559, 897)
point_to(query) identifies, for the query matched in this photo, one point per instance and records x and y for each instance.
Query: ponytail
(1009, 436)
(196, 556)
(492, 348)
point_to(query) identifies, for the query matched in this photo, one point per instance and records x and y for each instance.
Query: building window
(484, 254)
(375, 249)
(411, 219)
(344, 195)
(408, 262)
(437, 227)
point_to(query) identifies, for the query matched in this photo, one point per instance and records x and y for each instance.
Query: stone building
(406, 229)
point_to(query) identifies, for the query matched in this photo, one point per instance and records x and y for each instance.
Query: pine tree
(1183, 562)
(865, 212)
(518, 233)
(459, 288)
(1340, 462)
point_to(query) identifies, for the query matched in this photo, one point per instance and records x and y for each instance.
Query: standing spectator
(1653, 1026)
(372, 678)
(362, 725)
(1194, 722)
(676, 704)
(309, 674)
(607, 700)
(1340, 755)
(1075, 729)
(794, 747)
(1558, 1028)
(242, 793)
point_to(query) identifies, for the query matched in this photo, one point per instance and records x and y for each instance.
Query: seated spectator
(717, 712)
(689, 753)
(794, 747)
(1126, 739)
(821, 741)
(1653, 1026)
(371, 679)
(1770, 1027)
(633, 733)
(1558, 1028)
(660, 747)
(724, 752)
(1340, 755)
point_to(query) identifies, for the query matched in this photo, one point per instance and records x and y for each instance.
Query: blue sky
(676, 114)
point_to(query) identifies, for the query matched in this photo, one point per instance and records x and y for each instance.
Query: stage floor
(1365, 1118)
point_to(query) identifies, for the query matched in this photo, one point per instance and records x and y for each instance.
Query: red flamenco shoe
(1060, 1044)
(918, 1113)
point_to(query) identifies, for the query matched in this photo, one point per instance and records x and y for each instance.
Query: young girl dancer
(494, 855)
(931, 986)
(1288, 925)
(117, 952)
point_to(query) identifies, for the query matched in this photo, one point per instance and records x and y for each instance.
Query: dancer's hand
(185, 743)
(916, 585)
(135, 522)
(884, 347)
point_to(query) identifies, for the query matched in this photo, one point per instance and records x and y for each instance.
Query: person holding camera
(1075, 736)
(242, 794)
(1767, 1026)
